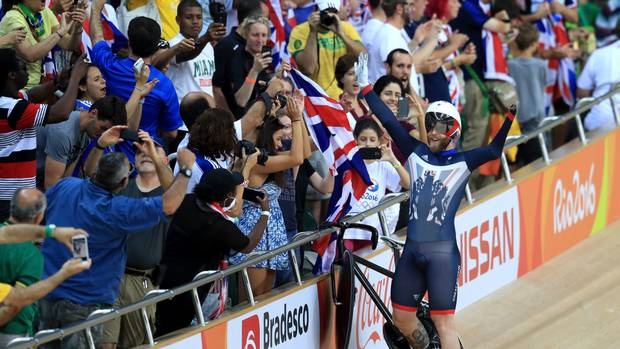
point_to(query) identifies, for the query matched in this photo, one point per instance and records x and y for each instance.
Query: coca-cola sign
(367, 330)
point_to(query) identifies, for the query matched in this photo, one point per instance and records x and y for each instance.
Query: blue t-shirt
(161, 107)
(107, 218)
(469, 21)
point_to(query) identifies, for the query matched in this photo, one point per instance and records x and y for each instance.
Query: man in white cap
(318, 43)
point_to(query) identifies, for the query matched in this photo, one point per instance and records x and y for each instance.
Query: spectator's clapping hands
(64, 24)
(111, 136)
(429, 65)
(216, 31)
(141, 81)
(543, 11)
(186, 158)
(64, 235)
(469, 55)
(431, 27)
(74, 266)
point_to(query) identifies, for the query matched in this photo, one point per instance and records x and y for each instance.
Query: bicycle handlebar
(343, 226)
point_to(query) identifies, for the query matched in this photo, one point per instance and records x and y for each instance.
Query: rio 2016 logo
(374, 187)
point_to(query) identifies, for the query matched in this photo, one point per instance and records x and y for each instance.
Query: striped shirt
(18, 143)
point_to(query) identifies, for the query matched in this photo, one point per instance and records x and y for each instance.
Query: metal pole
(506, 168)
(248, 286)
(580, 129)
(384, 230)
(613, 109)
(295, 267)
(147, 326)
(470, 198)
(543, 148)
(198, 307)
(89, 337)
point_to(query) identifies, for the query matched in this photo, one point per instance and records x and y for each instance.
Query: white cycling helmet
(444, 113)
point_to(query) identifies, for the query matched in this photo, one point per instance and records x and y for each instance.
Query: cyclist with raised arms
(430, 259)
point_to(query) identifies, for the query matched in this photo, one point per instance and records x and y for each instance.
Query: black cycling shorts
(427, 266)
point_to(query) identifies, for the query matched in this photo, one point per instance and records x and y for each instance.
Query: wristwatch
(49, 230)
(186, 171)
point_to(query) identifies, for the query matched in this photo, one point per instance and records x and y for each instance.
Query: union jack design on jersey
(330, 129)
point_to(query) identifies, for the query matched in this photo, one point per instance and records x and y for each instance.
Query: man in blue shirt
(93, 205)
(160, 112)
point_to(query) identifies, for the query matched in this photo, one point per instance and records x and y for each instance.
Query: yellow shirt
(331, 48)
(167, 12)
(13, 20)
(5, 289)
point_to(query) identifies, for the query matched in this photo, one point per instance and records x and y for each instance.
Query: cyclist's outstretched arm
(479, 156)
(405, 142)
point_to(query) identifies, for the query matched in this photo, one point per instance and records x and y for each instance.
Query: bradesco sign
(290, 322)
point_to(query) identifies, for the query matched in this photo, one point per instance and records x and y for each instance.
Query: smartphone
(370, 153)
(80, 247)
(403, 108)
(137, 67)
(266, 49)
(218, 12)
(130, 136)
(253, 195)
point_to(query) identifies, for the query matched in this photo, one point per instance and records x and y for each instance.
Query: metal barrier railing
(100, 317)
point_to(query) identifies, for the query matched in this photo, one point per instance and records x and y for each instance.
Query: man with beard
(399, 64)
(144, 249)
(191, 58)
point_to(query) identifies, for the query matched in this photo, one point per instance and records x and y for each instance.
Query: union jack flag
(111, 34)
(278, 34)
(331, 132)
(561, 76)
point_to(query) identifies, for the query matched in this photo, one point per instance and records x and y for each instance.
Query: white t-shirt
(193, 75)
(384, 177)
(387, 38)
(197, 172)
(370, 30)
(601, 71)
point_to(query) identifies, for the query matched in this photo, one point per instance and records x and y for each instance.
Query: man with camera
(109, 218)
(318, 43)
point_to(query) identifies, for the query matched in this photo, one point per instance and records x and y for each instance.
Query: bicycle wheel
(345, 294)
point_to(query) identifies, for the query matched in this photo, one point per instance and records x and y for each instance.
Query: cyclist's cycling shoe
(393, 337)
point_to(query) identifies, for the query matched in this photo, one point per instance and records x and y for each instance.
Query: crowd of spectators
(141, 123)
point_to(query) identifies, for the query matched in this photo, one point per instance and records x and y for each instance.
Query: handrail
(168, 294)
(152, 298)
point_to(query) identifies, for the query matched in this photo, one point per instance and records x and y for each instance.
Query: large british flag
(331, 132)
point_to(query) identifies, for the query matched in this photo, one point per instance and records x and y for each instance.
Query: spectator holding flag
(316, 45)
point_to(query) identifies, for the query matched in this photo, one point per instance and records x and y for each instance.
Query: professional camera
(250, 149)
(325, 19)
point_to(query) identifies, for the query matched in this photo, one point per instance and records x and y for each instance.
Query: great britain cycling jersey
(431, 259)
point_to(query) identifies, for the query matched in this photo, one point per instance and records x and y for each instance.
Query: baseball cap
(220, 181)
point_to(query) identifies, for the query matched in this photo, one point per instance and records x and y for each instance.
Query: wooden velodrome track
(573, 301)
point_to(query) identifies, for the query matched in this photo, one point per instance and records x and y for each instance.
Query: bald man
(21, 266)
